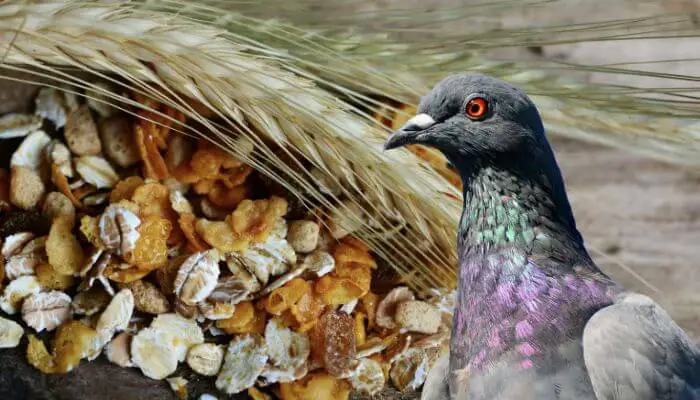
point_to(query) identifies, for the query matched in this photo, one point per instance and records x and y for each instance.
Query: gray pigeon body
(535, 318)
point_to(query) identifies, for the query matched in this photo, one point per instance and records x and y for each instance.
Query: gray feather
(633, 350)
(436, 387)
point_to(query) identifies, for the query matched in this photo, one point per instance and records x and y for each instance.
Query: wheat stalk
(166, 58)
(630, 118)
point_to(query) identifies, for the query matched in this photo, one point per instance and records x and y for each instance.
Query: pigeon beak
(410, 132)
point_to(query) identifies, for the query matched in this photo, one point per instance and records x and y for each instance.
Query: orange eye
(477, 108)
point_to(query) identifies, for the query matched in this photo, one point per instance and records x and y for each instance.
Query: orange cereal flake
(151, 251)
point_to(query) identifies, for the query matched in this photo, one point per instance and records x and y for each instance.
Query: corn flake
(151, 251)
(256, 219)
(242, 321)
(219, 235)
(125, 189)
(153, 161)
(224, 197)
(187, 223)
(316, 386)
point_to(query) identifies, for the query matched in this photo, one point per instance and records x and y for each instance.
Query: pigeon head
(473, 118)
(484, 124)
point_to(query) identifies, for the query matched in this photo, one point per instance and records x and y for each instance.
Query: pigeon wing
(436, 385)
(633, 350)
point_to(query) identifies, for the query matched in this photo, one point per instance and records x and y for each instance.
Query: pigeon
(535, 317)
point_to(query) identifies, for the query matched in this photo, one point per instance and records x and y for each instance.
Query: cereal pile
(123, 237)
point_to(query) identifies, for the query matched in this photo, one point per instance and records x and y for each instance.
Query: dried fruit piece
(118, 140)
(18, 125)
(116, 316)
(418, 316)
(336, 344)
(205, 358)
(26, 187)
(118, 351)
(244, 361)
(46, 310)
(387, 307)
(184, 332)
(197, 277)
(410, 370)
(10, 333)
(255, 219)
(368, 377)
(119, 229)
(320, 263)
(96, 171)
(152, 353)
(125, 189)
(63, 249)
(17, 291)
(303, 235)
(81, 132)
(57, 204)
(315, 386)
(91, 301)
(151, 250)
(147, 297)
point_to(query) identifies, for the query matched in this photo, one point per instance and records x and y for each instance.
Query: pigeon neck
(523, 210)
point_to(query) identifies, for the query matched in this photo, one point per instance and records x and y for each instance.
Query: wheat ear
(630, 118)
(166, 57)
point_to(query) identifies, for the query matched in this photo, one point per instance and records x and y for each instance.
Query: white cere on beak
(420, 121)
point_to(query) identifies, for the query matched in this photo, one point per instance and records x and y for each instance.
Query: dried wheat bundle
(660, 122)
(320, 138)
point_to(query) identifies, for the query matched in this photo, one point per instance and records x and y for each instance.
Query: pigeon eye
(477, 108)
